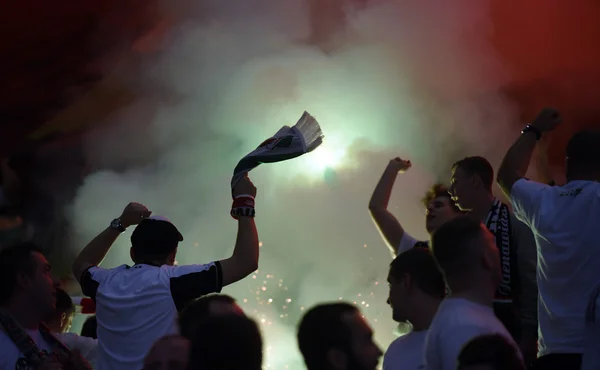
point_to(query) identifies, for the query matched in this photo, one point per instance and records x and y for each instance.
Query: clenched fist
(547, 120)
(399, 165)
(133, 214)
(244, 187)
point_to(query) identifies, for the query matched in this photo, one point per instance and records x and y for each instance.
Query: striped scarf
(498, 223)
(35, 357)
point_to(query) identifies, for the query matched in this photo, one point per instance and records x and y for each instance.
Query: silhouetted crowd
(496, 287)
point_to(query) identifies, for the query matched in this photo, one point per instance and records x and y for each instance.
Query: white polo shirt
(564, 220)
(135, 306)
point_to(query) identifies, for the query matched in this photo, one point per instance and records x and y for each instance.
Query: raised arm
(96, 250)
(389, 227)
(244, 259)
(542, 164)
(516, 161)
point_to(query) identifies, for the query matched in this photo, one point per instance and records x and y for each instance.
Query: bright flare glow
(324, 157)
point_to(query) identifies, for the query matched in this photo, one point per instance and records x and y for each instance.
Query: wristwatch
(117, 224)
(534, 130)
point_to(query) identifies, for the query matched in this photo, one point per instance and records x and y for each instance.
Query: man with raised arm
(437, 202)
(564, 221)
(136, 305)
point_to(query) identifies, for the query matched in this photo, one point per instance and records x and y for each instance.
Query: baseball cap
(155, 235)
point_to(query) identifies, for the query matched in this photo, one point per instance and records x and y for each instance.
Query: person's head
(205, 307)
(336, 336)
(168, 353)
(61, 319)
(230, 342)
(471, 178)
(466, 253)
(583, 156)
(489, 352)
(90, 328)
(26, 279)
(154, 241)
(440, 207)
(413, 278)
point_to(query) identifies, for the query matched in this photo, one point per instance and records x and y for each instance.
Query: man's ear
(23, 280)
(337, 359)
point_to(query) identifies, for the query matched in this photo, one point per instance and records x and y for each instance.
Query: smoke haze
(397, 78)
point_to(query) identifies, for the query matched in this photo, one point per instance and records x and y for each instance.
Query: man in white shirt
(27, 296)
(467, 254)
(416, 289)
(438, 205)
(564, 220)
(60, 325)
(137, 305)
(516, 296)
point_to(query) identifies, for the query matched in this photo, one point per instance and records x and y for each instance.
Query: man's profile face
(41, 286)
(365, 352)
(439, 211)
(461, 189)
(398, 299)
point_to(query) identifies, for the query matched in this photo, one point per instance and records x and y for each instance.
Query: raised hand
(133, 214)
(244, 187)
(547, 120)
(399, 165)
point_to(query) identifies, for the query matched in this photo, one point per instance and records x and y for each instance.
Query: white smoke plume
(416, 79)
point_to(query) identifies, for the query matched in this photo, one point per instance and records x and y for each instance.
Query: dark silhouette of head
(26, 279)
(467, 254)
(472, 177)
(583, 156)
(206, 307)
(336, 336)
(231, 342)
(413, 275)
(490, 352)
(154, 242)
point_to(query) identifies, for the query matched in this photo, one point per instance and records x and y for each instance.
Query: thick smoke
(397, 78)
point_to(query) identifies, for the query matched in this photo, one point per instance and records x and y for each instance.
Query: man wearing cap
(136, 305)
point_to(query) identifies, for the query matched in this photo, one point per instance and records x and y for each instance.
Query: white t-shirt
(137, 305)
(455, 324)
(406, 352)
(87, 347)
(564, 221)
(10, 356)
(407, 242)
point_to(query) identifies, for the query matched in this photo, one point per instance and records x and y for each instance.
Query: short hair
(90, 328)
(14, 260)
(477, 166)
(583, 149)
(227, 343)
(321, 329)
(493, 350)
(423, 270)
(154, 238)
(437, 191)
(64, 303)
(451, 244)
(199, 310)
